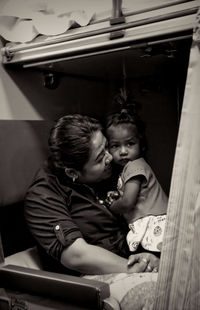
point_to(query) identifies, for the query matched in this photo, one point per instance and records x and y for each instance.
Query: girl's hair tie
(123, 114)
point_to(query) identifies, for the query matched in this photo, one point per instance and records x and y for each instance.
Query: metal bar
(157, 7)
(117, 8)
(138, 45)
(102, 42)
(116, 19)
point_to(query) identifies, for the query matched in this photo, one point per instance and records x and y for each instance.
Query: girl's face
(123, 143)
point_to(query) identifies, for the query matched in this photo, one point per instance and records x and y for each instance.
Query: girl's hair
(69, 141)
(129, 115)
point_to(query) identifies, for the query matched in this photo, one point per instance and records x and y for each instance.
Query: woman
(64, 212)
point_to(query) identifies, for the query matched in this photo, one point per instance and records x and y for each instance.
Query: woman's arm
(127, 201)
(90, 259)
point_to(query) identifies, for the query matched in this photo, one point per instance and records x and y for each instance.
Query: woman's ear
(71, 173)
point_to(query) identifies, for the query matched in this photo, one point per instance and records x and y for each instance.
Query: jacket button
(57, 227)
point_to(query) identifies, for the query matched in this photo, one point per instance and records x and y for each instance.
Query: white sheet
(22, 20)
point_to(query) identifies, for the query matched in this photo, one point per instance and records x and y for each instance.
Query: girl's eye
(131, 144)
(113, 146)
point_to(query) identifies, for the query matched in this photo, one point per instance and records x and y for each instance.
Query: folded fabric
(133, 291)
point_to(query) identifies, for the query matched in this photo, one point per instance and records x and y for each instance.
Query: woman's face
(123, 143)
(98, 166)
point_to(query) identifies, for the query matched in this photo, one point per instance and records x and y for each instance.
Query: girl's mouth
(123, 161)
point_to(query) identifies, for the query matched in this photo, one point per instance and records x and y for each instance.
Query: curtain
(178, 285)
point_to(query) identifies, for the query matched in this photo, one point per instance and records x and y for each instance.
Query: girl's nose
(123, 150)
(108, 158)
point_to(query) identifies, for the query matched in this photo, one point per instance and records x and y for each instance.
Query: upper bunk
(66, 33)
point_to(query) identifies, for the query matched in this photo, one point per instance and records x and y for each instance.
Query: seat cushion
(28, 258)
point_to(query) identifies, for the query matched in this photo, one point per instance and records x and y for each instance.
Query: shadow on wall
(23, 147)
(29, 99)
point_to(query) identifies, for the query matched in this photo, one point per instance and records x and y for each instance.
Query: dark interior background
(155, 78)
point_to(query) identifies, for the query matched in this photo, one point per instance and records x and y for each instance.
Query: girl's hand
(143, 262)
(112, 195)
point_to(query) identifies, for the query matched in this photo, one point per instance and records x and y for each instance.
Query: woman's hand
(143, 262)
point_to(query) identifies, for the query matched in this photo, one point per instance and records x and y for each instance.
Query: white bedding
(23, 20)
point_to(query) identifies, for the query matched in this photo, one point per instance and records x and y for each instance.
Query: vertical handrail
(117, 8)
(117, 18)
(117, 15)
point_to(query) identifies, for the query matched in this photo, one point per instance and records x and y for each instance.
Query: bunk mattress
(51, 35)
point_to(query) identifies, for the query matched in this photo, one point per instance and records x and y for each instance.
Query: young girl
(142, 201)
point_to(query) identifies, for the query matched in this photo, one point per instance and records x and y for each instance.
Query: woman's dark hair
(128, 115)
(69, 141)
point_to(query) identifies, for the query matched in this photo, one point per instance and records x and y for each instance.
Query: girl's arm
(127, 201)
